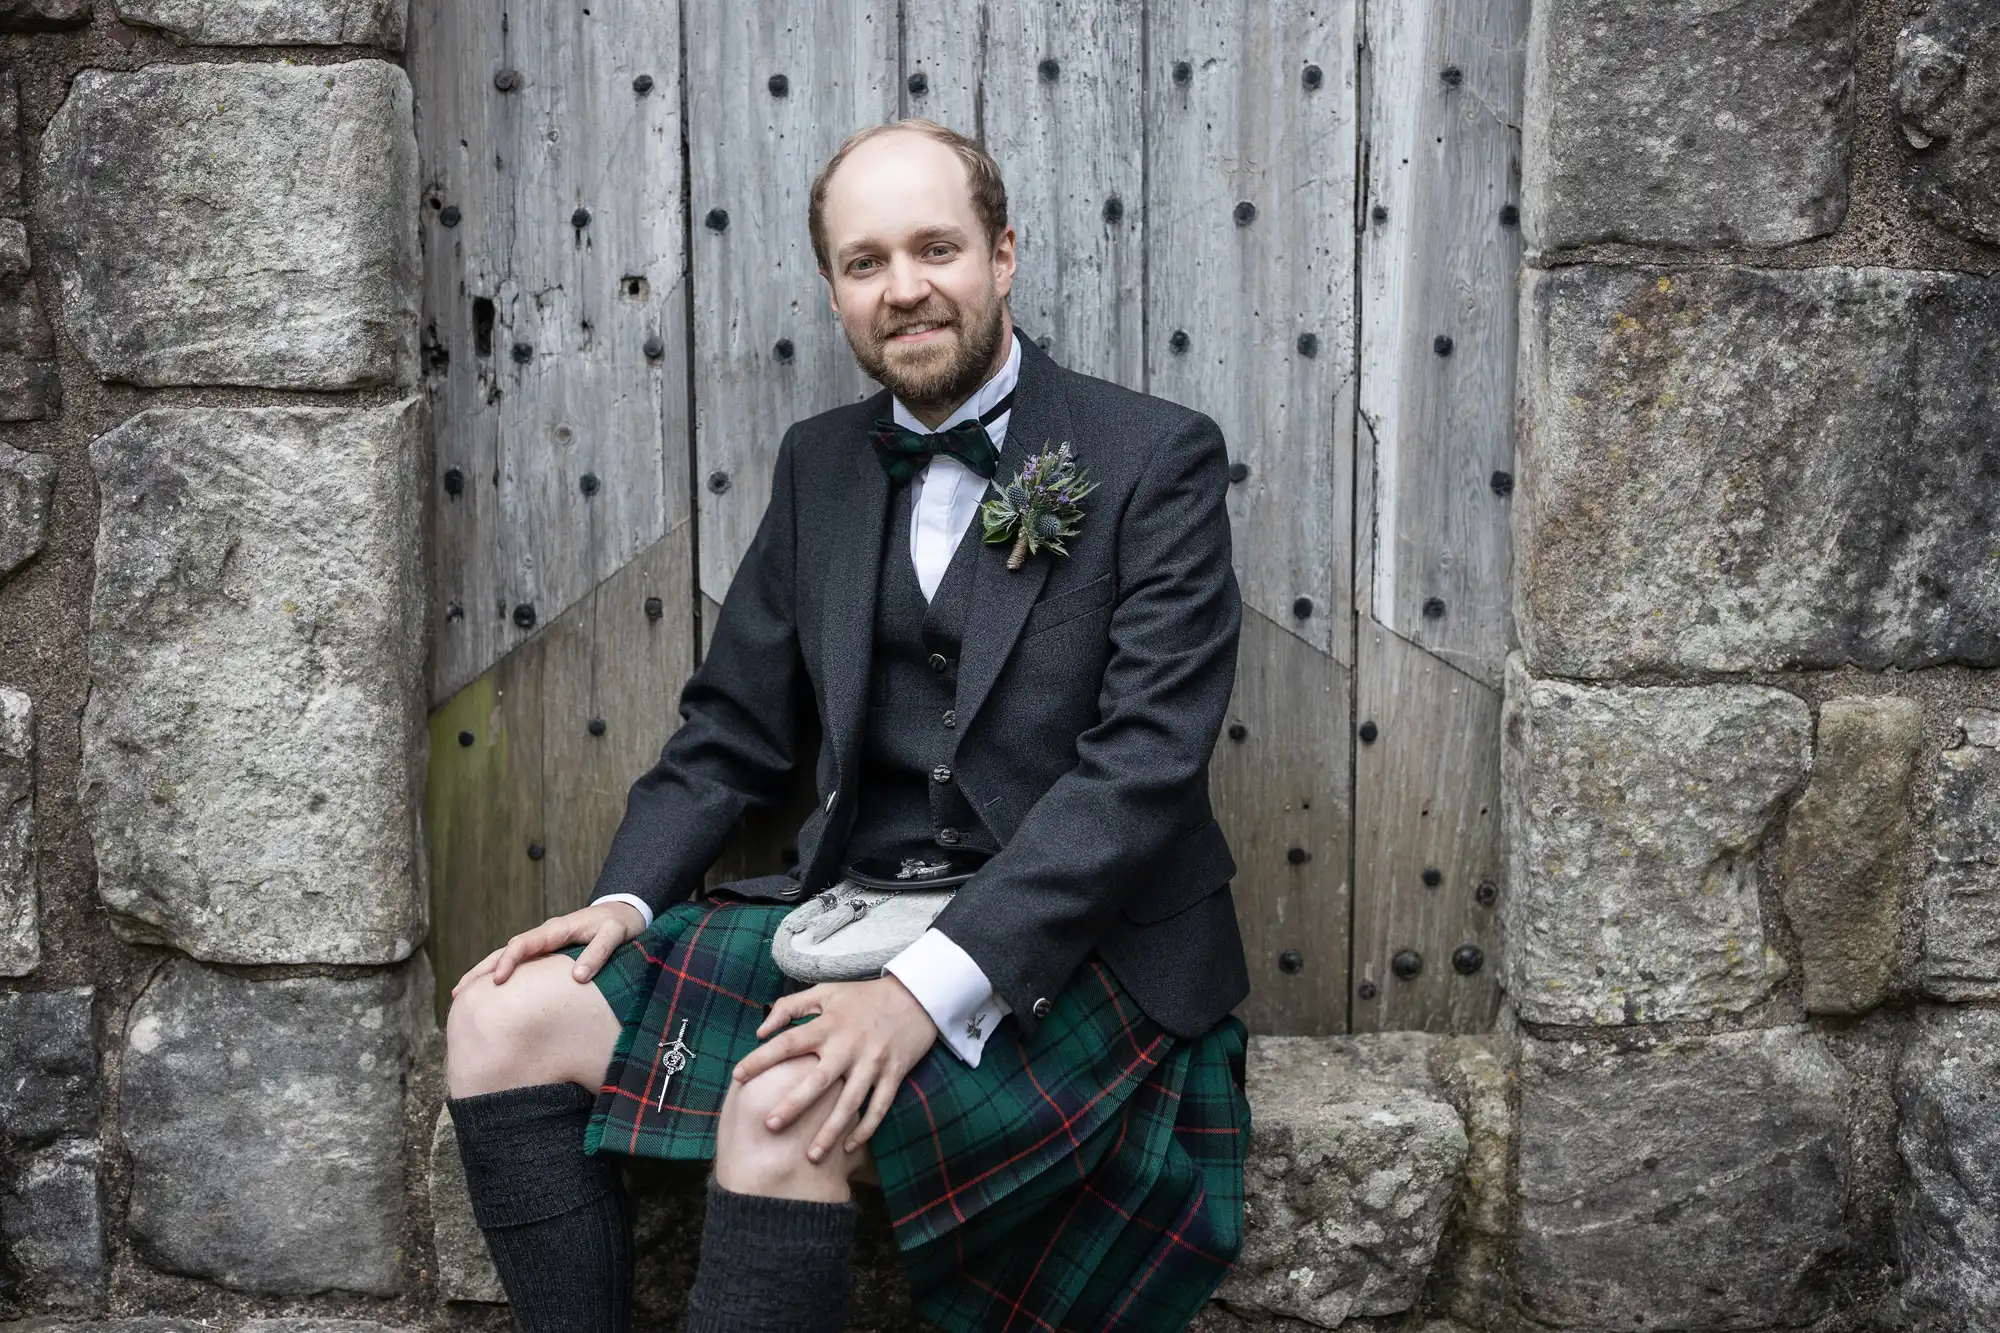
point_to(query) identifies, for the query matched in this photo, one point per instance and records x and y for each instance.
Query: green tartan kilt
(1088, 1180)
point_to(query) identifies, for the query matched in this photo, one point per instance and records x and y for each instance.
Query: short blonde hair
(982, 178)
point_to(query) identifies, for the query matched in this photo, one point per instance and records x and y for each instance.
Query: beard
(943, 372)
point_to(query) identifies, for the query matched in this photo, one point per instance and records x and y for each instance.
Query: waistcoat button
(941, 774)
(948, 836)
(831, 797)
(938, 662)
(951, 717)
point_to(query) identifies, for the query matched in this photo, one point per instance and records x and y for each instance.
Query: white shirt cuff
(953, 990)
(637, 902)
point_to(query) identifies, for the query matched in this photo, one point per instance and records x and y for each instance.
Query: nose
(907, 284)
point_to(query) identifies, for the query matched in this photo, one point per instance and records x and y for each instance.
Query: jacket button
(941, 774)
(831, 797)
(951, 717)
(938, 662)
(1042, 1007)
(948, 836)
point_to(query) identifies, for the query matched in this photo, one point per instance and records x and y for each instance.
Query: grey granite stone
(20, 899)
(1684, 123)
(1948, 1203)
(30, 389)
(1962, 891)
(265, 1125)
(49, 1087)
(1947, 93)
(465, 1265)
(27, 485)
(1844, 845)
(253, 740)
(1733, 469)
(1635, 820)
(1355, 1162)
(1694, 1182)
(52, 1226)
(251, 224)
(272, 22)
(43, 15)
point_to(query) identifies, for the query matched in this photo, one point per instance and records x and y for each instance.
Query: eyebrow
(924, 235)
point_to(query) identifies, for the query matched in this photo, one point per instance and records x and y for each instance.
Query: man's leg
(523, 1062)
(776, 1247)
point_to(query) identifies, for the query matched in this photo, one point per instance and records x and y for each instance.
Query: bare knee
(541, 1026)
(752, 1158)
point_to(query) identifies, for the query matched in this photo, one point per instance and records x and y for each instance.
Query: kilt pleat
(1088, 1180)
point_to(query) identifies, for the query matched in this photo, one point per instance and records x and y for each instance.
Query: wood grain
(535, 327)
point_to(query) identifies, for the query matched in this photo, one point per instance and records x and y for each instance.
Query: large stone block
(30, 389)
(1733, 469)
(1962, 891)
(52, 1227)
(1355, 1163)
(1687, 124)
(265, 1125)
(20, 901)
(27, 485)
(465, 1265)
(272, 22)
(48, 1068)
(1695, 1182)
(42, 15)
(253, 741)
(1635, 820)
(1948, 1204)
(1844, 845)
(1947, 91)
(249, 223)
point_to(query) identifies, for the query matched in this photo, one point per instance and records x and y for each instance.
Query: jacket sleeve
(1032, 912)
(739, 710)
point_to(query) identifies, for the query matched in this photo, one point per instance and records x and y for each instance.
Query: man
(1047, 1084)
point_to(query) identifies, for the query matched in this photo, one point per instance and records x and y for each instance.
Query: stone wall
(1745, 1074)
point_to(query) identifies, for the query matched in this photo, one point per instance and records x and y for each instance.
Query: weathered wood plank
(1250, 182)
(1052, 88)
(1249, 206)
(767, 348)
(482, 807)
(566, 256)
(1438, 257)
(1427, 798)
(1281, 791)
(607, 658)
(1441, 99)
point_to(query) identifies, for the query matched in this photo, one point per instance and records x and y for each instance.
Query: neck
(933, 415)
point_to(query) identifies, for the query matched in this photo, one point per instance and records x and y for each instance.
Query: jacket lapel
(1001, 598)
(847, 631)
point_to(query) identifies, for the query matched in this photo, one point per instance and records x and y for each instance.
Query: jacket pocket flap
(1053, 611)
(1189, 870)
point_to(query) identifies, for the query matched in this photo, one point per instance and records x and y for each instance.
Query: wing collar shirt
(944, 498)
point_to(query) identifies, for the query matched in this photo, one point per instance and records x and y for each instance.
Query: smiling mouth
(917, 333)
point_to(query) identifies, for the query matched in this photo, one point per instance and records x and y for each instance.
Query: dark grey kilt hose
(1089, 1178)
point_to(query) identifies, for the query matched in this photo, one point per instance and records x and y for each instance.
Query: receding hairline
(985, 188)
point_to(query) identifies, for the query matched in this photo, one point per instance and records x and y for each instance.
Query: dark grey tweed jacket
(1090, 692)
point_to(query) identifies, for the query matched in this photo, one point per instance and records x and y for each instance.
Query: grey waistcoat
(908, 802)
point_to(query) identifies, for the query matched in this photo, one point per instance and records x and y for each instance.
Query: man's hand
(871, 1033)
(600, 928)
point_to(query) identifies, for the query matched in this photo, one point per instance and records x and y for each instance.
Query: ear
(1003, 261)
(832, 301)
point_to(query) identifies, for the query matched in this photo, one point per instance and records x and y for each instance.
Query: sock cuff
(792, 1222)
(512, 1106)
(523, 1153)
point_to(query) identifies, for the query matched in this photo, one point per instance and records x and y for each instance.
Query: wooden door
(1244, 206)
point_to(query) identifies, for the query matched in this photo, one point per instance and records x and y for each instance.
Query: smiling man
(1044, 1077)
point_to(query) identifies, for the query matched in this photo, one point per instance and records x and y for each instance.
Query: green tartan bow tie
(905, 452)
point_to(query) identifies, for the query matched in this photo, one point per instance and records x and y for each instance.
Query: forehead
(892, 187)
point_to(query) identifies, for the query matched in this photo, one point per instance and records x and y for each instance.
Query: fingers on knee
(762, 1095)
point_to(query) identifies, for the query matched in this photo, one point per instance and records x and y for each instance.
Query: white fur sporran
(877, 910)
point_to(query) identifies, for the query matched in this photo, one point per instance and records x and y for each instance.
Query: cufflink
(1042, 1007)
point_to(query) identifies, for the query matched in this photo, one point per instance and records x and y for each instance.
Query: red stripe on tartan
(1036, 1271)
(1029, 1069)
(685, 1110)
(952, 1192)
(647, 1096)
(1175, 1237)
(998, 1297)
(1150, 1226)
(1112, 995)
(938, 1148)
(743, 1000)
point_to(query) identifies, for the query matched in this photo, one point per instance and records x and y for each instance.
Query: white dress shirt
(944, 498)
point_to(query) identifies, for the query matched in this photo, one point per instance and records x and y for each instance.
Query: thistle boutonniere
(1039, 507)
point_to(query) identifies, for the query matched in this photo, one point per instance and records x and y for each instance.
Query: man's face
(908, 252)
